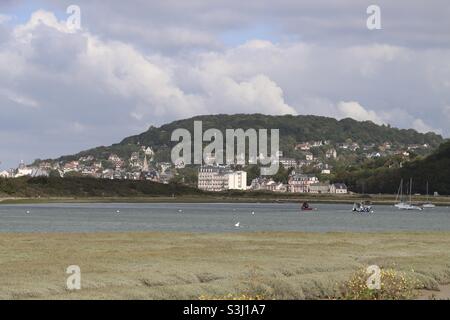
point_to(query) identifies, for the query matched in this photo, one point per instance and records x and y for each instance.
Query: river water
(215, 217)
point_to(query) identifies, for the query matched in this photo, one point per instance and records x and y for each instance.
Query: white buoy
(253, 212)
(180, 211)
(118, 211)
(237, 225)
(28, 212)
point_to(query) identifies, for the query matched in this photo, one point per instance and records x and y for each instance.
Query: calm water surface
(217, 217)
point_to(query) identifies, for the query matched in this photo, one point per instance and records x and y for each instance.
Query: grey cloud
(151, 62)
(406, 23)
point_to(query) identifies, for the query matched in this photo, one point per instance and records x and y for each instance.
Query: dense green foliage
(435, 169)
(361, 175)
(293, 129)
(89, 187)
(369, 179)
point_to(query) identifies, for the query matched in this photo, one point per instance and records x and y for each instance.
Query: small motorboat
(362, 207)
(306, 207)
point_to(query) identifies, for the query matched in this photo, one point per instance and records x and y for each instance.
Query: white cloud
(370, 59)
(122, 70)
(353, 109)
(19, 99)
(420, 126)
(24, 32)
(258, 94)
(104, 88)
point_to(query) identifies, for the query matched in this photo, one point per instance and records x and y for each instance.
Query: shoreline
(296, 198)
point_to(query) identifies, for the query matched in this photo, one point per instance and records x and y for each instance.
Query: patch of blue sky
(22, 12)
(235, 37)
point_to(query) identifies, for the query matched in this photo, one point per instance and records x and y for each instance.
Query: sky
(138, 63)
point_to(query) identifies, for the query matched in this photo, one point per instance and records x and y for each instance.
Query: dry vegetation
(394, 285)
(192, 266)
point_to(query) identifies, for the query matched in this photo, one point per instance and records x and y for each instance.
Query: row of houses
(310, 161)
(23, 171)
(221, 178)
(306, 146)
(299, 183)
(369, 150)
(140, 166)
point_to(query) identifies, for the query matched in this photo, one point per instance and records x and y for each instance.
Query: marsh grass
(261, 265)
(394, 285)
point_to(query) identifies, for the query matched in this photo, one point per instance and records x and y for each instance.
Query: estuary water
(215, 217)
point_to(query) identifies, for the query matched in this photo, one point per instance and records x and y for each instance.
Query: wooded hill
(435, 169)
(293, 130)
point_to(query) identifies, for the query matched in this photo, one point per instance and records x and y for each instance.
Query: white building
(237, 180)
(317, 143)
(116, 160)
(374, 155)
(149, 151)
(331, 154)
(212, 178)
(338, 188)
(71, 166)
(22, 172)
(219, 178)
(4, 174)
(303, 146)
(319, 188)
(300, 183)
(288, 162)
(31, 172)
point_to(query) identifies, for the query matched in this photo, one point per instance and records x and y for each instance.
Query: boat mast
(400, 192)
(410, 191)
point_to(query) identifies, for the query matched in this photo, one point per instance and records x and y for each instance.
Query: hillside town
(139, 166)
(310, 164)
(222, 178)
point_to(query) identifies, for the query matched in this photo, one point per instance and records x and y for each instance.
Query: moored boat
(362, 207)
(406, 205)
(428, 204)
(306, 207)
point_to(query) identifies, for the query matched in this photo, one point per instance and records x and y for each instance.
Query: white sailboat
(428, 204)
(403, 205)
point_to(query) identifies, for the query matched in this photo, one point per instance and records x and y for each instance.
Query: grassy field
(187, 266)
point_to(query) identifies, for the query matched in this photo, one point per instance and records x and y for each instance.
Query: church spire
(145, 168)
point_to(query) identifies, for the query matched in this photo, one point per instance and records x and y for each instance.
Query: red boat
(306, 207)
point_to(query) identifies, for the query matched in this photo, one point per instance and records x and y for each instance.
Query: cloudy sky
(139, 63)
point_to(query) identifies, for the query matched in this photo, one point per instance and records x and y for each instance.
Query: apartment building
(219, 178)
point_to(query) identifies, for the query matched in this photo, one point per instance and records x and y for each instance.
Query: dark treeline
(89, 187)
